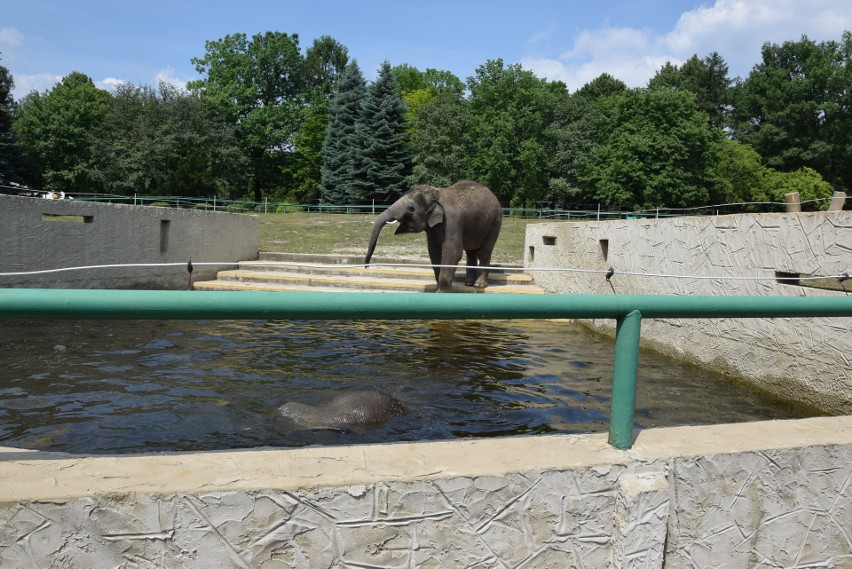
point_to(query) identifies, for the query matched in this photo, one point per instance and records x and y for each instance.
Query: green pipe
(234, 305)
(625, 366)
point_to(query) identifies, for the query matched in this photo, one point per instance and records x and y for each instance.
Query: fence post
(625, 363)
(792, 201)
(838, 200)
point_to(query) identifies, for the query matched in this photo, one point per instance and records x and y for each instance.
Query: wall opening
(549, 240)
(164, 235)
(532, 253)
(812, 281)
(52, 217)
(604, 248)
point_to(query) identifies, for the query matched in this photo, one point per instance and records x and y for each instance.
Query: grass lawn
(320, 233)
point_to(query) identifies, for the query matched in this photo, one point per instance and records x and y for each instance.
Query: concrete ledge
(725, 495)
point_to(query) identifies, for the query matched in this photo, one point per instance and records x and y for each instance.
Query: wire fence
(580, 212)
(574, 212)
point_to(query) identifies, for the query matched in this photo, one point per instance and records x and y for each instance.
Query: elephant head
(415, 211)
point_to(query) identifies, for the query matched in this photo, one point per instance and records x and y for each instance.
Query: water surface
(145, 386)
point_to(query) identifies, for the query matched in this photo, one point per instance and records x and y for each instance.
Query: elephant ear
(435, 214)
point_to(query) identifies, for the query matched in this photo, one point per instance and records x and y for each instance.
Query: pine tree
(382, 169)
(339, 147)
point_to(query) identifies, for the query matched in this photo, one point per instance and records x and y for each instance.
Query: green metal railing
(627, 310)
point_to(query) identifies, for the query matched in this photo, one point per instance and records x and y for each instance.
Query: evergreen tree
(340, 141)
(383, 159)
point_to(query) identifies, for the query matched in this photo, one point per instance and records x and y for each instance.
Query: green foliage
(440, 142)
(325, 61)
(806, 181)
(55, 134)
(340, 145)
(8, 146)
(654, 151)
(706, 78)
(366, 154)
(509, 111)
(738, 174)
(257, 85)
(574, 132)
(165, 143)
(381, 169)
(795, 108)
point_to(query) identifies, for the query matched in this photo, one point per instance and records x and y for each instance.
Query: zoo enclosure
(545, 211)
(627, 310)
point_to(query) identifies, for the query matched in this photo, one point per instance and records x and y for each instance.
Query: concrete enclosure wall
(771, 494)
(803, 360)
(39, 234)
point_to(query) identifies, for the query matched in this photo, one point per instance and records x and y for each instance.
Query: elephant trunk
(386, 216)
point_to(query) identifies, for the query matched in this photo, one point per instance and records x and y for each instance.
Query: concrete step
(412, 272)
(288, 273)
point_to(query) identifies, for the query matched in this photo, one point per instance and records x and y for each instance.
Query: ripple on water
(117, 387)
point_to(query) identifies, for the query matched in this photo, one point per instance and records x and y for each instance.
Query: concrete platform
(280, 272)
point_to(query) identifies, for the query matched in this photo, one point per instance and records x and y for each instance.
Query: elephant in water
(358, 408)
(465, 217)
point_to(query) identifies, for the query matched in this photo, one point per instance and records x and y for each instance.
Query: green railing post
(625, 364)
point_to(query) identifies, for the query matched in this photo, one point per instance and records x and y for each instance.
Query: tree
(738, 174)
(440, 141)
(706, 78)
(166, 143)
(575, 136)
(416, 88)
(325, 61)
(257, 85)
(305, 171)
(655, 151)
(339, 146)
(55, 134)
(510, 110)
(795, 108)
(381, 169)
(604, 85)
(8, 146)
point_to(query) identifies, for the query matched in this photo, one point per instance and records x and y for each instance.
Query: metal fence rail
(627, 310)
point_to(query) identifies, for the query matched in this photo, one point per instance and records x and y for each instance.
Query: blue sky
(573, 41)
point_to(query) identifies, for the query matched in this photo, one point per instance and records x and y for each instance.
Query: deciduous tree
(257, 84)
(55, 133)
(795, 107)
(8, 146)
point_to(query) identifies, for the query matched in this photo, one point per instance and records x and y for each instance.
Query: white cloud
(168, 75)
(24, 84)
(736, 29)
(109, 84)
(11, 37)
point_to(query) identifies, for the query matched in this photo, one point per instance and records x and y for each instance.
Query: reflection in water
(117, 387)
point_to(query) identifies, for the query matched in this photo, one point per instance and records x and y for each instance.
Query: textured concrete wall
(805, 360)
(771, 494)
(38, 234)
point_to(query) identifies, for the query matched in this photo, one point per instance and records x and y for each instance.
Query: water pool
(147, 386)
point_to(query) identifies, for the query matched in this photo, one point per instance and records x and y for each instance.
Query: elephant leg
(484, 263)
(470, 272)
(450, 257)
(484, 257)
(435, 258)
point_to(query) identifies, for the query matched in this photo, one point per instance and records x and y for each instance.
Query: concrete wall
(803, 360)
(771, 494)
(38, 234)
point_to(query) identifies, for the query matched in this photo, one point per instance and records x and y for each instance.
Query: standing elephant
(464, 217)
